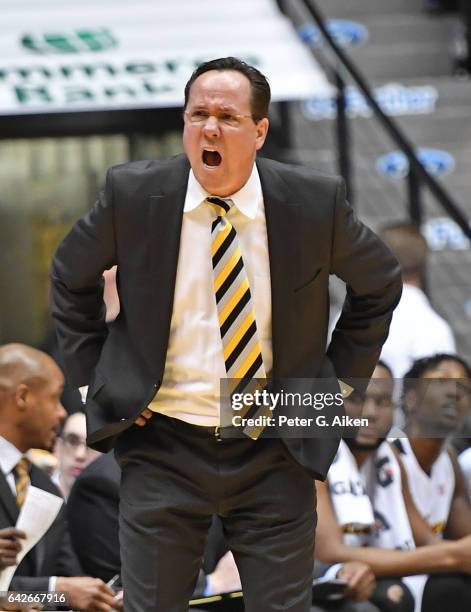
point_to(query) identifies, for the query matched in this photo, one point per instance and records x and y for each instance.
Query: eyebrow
(226, 108)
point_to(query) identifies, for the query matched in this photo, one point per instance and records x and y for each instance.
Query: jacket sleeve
(77, 287)
(30, 583)
(67, 562)
(374, 287)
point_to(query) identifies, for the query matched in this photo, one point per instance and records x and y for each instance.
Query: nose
(449, 389)
(81, 452)
(211, 127)
(62, 413)
(369, 409)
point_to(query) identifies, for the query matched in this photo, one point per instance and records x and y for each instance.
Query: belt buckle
(217, 433)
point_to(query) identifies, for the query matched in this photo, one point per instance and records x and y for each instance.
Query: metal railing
(418, 175)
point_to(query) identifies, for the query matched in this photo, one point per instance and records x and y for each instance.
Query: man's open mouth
(211, 158)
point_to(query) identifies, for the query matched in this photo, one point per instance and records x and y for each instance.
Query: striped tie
(21, 475)
(241, 346)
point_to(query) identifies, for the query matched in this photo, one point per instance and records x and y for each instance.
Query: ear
(262, 130)
(409, 402)
(22, 397)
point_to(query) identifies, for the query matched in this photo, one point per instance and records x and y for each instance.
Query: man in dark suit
(30, 414)
(223, 268)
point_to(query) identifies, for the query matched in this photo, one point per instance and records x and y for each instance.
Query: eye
(199, 115)
(463, 388)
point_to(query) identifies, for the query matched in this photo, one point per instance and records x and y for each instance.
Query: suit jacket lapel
(282, 216)
(7, 500)
(9, 503)
(165, 219)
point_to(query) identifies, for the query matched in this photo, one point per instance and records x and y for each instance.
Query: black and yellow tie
(21, 475)
(241, 346)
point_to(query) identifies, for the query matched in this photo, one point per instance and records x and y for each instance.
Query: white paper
(37, 514)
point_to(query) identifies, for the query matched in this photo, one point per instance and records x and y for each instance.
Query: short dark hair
(384, 365)
(408, 245)
(260, 98)
(420, 366)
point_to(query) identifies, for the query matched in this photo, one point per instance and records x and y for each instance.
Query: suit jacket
(53, 554)
(136, 223)
(92, 512)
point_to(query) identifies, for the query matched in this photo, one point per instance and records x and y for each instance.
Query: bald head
(31, 385)
(20, 363)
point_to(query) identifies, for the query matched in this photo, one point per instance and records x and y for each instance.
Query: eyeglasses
(200, 116)
(73, 441)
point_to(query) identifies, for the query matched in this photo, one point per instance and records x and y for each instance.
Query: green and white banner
(93, 55)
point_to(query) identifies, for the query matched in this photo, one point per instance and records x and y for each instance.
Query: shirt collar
(247, 199)
(9, 456)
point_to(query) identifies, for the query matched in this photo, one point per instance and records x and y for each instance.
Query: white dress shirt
(9, 459)
(194, 365)
(464, 459)
(416, 331)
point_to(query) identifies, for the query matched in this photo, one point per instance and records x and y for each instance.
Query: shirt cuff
(83, 393)
(52, 584)
(207, 587)
(332, 571)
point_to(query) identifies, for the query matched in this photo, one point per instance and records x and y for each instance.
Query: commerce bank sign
(140, 54)
(79, 85)
(76, 41)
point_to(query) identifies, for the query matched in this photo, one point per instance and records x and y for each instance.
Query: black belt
(217, 432)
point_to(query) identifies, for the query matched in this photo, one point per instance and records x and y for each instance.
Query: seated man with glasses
(72, 453)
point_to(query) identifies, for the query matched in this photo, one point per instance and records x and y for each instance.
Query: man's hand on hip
(143, 417)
